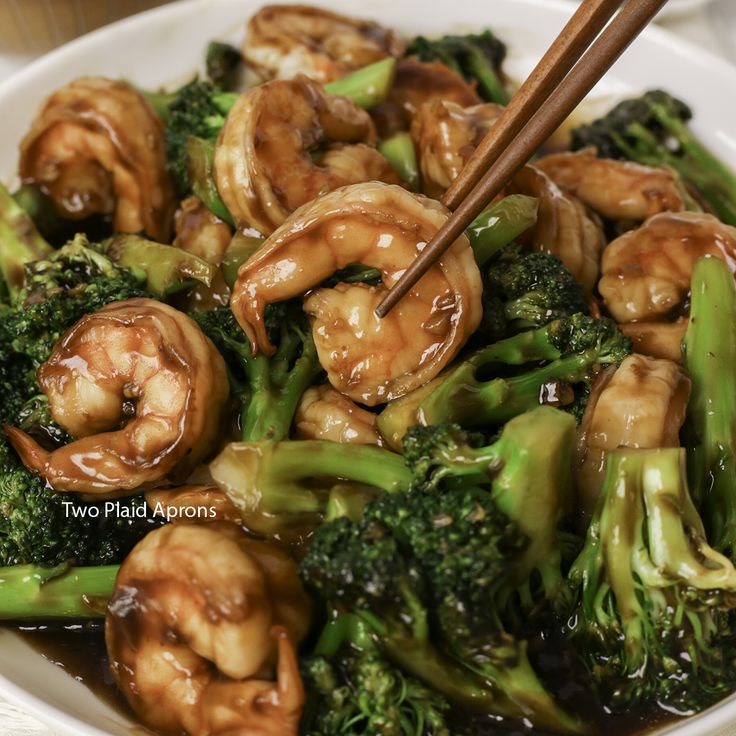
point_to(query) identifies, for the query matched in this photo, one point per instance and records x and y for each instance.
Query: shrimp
(325, 414)
(263, 166)
(285, 40)
(142, 389)
(97, 147)
(199, 616)
(445, 135)
(646, 272)
(657, 339)
(416, 83)
(201, 232)
(368, 359)
(618, 190)
(564, 227)
(641, 405)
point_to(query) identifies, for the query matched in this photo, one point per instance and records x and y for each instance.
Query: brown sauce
(79, 649)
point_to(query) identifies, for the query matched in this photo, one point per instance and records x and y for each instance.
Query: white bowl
(164, 45)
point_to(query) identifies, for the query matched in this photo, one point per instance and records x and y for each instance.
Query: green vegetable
(30, 592)
(500, 224)
(20, 243)
(354, 689)
(428, 570)
(709, 357)
(400, 153)
(223, 63)
(476, 57)
(654, 599)
(368, 86)
(268, 389)
(570, 347)
(273, 483)
(200, 155)
(653, 130)
(164, 268)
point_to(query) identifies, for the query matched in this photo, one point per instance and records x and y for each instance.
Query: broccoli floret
(525, 290)
(274, 483)
(268, 389)
(528, 466)
(477, 57)
(223, 63)
(570, 348)
(709, 356)
(654, 599)
(429, 571)
(653, 130)
(356, 690)
(42, 527)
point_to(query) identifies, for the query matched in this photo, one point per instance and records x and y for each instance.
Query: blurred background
(29, 28)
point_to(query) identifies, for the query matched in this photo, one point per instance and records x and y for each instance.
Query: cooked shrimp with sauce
(141, 387)
(97, 148)
(370, 360)
(263, 160)
(507, 504)
(201, 632)
(283, 41)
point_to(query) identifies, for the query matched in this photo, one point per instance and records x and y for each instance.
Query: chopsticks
(551, 93)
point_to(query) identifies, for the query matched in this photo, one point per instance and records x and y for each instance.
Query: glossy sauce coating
(97, 147)
(646, 272)
(366, 358)
(445, 136)
(264, 166)
(201, 633)
(641, 405)
(619, 190)
(142, 389)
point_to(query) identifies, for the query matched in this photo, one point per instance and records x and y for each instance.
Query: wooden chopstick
(574, 39)
(612, 42)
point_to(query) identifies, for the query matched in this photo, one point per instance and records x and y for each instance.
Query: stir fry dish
(507, 507)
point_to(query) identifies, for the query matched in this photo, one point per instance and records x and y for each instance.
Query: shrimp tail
(290, 684)
(32, 455)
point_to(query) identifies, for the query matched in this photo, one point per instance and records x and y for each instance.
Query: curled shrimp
(564, 227)
(445, 135)
(641, 404)
(646, 272)
(142, 388)
(371, 360)
(263, 166)
(325, 414)
(199, 616)
(97, 147)
(416, 83)
(619, 190)
(285, 40)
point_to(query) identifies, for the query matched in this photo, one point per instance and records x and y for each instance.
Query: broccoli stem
(368, 86)
(501, 223)
(20, 243)
(241, 248)
(159, 101)
(709, 356)
(270, 411)
(699, 166)
(479, 66)
(31, 592)
(201, 163)
(400, 153)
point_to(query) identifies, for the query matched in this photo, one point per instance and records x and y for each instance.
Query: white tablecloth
(713, 28)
